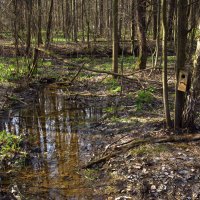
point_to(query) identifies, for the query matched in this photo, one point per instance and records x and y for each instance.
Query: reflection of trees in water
(54, 123)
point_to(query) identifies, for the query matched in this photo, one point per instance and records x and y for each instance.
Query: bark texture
(181, 58)
(190, 110)
(115, 36)
(141, 23)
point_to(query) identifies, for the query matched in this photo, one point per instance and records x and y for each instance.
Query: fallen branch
(123, 148)
(3, 104)
(59, 58)
(14, 98)
(6, 97)
(79, 71)
(138, 71)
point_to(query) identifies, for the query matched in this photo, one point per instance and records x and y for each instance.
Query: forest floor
(134, 111)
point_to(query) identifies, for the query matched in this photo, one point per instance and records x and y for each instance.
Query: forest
(99, 99)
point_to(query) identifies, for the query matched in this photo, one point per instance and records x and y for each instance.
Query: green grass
(105, 63)
(8, 67)
(144, 98)
(171, 59)
(149, 150)
(10, 147)
(59, 39)
(6, 35)
(91, 174)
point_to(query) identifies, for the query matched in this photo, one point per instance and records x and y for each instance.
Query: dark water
(54, 125)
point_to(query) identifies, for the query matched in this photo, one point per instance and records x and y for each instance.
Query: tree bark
(141, 22)
(82, 19)
(133, 27)
(28, 37)
(171, 19)
(39, 22)
(190, 110)
(181, 58)
(101, 19)
(67, 20)
(74, 10)
(155, 19)
(49, 25)
(158, 35)
(115, 37)
(164, 73)
(16, 30)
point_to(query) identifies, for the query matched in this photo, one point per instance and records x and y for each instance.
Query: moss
(149, 150)
(111, 190)
(91, 174)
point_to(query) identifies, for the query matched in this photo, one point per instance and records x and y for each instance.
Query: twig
(103, 78)
(115, 142)
(16, 99)
(79, 71)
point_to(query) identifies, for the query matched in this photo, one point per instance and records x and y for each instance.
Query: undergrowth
(144, 98)
(149, 150)
(10, 70)
(10, 151)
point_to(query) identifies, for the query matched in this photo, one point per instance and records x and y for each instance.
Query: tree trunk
(88, 23)
(133, 27)
(49, 25)
(181, 58)
(101, 19)
(28, 37)
(16, 30)
(190, 109)
(74, 10)
(39, 22)
(115, 37)
(141, 22)
(164, 73)
(67, 20)
(96, 22)
(155, 19)
(82, 19)
(171, 19)
(158, 35)
(121, 21)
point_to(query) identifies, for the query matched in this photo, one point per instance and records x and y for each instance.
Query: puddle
(54, 124)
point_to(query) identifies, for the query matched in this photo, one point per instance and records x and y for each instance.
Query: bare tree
(115, 36)
(49, 25)
(141, 22)
(182, 30)
(190, 110)
(164, 74)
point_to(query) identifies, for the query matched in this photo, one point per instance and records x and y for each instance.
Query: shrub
(10, 147)
(144, 98)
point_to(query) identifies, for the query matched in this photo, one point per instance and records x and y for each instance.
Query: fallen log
(82, 67)
(123, 148)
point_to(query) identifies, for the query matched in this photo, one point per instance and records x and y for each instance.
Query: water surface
(54, 124)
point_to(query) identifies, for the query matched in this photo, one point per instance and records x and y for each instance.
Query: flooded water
(54, 124)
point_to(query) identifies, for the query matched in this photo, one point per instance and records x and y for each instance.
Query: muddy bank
(72, 124)
(56, 147)
(96, 123)
(80, 49)
(21, 92)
